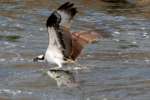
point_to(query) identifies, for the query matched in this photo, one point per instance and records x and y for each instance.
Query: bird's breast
(54, 55)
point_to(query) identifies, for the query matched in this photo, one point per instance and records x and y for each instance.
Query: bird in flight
(64, 46)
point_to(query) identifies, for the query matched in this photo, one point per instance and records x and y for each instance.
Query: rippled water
(116, 68)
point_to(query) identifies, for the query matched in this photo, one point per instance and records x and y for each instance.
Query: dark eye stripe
(42, 58)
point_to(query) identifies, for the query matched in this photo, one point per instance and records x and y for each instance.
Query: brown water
(117, 68)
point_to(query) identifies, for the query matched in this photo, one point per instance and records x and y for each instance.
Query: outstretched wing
(67, 12)
(63, 16)
(80, 39)
(60, 39)
(57, 24)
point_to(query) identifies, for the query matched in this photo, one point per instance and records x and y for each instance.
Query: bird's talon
(70, 61)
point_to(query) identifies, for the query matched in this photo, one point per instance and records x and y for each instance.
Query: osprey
(64, 46)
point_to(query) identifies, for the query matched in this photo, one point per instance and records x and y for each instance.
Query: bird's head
(39, 58)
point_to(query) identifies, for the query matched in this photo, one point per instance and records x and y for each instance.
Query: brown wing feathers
(80, 39)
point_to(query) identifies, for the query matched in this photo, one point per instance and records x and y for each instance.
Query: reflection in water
(63, 77)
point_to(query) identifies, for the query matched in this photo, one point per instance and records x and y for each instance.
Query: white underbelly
(54, 55)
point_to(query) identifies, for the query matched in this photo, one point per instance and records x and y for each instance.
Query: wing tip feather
(68, 8)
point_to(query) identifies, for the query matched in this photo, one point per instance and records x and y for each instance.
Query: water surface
(116, 68)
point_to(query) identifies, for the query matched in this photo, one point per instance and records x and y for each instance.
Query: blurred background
(117, 67)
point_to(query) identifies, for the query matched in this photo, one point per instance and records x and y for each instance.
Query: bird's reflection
(63, 77)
